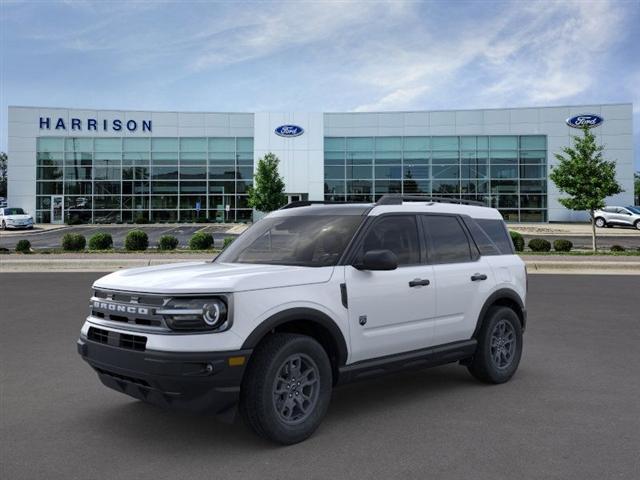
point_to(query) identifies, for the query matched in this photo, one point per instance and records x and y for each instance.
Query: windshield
(635, 210)
(13, 211)
(309, 241)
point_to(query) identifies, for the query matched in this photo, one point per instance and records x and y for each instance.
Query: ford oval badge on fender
(587, 120)
(289, 131)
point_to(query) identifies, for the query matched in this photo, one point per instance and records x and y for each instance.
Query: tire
(497, 366)
(4, 225)
(600, 222)
(637, 224)
(274, 416)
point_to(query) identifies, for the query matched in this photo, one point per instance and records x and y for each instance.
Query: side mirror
(378, 260)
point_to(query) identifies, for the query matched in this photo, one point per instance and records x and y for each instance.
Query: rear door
(463, 279)
(391, 311)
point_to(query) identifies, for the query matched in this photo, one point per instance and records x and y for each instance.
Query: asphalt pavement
(571, 412)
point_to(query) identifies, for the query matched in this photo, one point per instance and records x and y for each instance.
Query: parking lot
(571, 412)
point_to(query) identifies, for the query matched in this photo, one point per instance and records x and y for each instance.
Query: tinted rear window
(496, 230)
(446, 238)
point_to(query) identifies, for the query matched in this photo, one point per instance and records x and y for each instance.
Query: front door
(390, 311)
(57, 209)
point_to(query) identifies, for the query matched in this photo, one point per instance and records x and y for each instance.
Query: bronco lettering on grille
(115, 307)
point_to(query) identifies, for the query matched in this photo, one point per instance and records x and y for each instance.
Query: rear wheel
(499, 346)
(637, 224)
(600, 223)
(287, 388)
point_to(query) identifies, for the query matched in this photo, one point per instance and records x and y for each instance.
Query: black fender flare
(300, 314)
(502, 294)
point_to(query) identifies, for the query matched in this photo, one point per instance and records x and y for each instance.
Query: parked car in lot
(309, 297)
(618, 216)
(15, 218)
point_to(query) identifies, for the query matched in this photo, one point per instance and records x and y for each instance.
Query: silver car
(621, 216)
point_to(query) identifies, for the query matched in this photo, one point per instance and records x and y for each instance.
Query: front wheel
(600, 223)
(499, 346)
(287, 388)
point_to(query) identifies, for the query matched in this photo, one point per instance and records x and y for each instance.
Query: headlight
(196, 314)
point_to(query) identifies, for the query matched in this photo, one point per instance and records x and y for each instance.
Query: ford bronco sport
(312, 296)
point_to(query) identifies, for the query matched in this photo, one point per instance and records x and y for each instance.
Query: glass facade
(507, 172)
(108, 180)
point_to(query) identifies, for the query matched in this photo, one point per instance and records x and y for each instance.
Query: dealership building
(107, 166)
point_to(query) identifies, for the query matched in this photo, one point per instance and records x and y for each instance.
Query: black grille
(126, 378)
(130, 308)
(122, 340)
(98, 335)
(133, 342)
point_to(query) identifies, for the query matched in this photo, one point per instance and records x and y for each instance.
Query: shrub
(73, 242)
(539, 245)
(201, 241)
(23, 246)
(617, 248)
(136, 240)
(518, 240)
(562, 245)
(167, 242)
(101, 241)
(74, 220)
(227, 241)
(141, 220)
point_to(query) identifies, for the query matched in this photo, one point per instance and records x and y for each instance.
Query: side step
(424, 358)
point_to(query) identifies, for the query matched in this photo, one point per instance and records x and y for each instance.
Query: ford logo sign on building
(289, 131)
(587, 120)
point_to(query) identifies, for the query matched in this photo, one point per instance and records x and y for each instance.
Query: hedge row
(135, 241)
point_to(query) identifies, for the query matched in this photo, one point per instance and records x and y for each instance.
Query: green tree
(636, 187)
(3, 174)
(267, 193)
(585, 177)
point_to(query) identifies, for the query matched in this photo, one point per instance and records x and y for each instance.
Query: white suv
(311, 296)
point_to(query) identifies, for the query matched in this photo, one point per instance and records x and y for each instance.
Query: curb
(626, 268)
(28, 265)
(83, 265)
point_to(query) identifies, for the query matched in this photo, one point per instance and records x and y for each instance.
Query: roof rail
(306, 203)
(398, 199)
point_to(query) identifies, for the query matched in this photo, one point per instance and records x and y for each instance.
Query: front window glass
(309, 241)
(13, 211)
(635, 210)
(396, 233)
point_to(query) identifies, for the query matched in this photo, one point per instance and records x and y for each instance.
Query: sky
(318, 55)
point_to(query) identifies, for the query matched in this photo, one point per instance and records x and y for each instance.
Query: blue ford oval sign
(587, 120)
(289, 131)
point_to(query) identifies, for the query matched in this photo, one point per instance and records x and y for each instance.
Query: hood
(18, 217)
(207, 277)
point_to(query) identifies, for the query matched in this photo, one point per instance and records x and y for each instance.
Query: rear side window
(480, 237)
(496, 230)
(447, 240)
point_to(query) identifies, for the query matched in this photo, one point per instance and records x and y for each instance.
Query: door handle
(478, 276)
(418, 282)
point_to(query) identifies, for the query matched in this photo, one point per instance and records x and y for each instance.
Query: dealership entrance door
(57, 209)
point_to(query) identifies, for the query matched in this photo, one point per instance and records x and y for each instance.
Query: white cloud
(530, 53)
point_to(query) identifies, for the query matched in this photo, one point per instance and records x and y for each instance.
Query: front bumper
(18, 226)
(197, 382)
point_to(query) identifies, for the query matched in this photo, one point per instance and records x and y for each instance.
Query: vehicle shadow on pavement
(138, 423)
